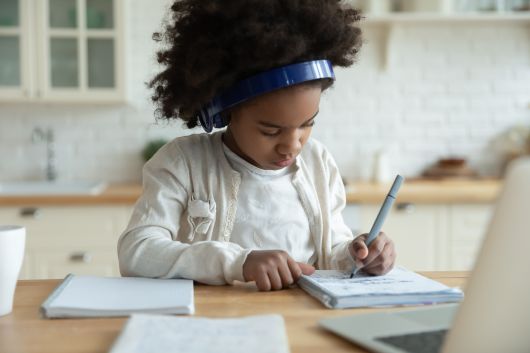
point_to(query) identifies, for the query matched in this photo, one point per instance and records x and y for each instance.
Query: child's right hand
(273, 269)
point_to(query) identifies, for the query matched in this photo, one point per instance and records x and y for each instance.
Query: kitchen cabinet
(69, 239)
(468, 226)
(414, 229)
(431, 237)
(61, 50)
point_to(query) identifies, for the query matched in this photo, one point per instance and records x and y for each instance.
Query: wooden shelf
(418, 17)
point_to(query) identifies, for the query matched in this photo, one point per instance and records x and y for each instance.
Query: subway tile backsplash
(421, 91)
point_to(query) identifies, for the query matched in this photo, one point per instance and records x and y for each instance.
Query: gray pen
(383, 212)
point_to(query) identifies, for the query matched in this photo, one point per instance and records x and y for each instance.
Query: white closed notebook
(93, 296)
(156, 333)
(335, 289)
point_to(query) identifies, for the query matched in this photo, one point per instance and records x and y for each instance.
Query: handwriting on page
(256, 334)
(396, 282)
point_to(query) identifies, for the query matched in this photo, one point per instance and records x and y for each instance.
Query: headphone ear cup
(219, 121)
(206, 120)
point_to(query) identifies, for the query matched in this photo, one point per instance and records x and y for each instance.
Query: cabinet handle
(406, 207)
(30, 212)
(81, 256)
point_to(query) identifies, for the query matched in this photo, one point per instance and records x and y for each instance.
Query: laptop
(495, 314)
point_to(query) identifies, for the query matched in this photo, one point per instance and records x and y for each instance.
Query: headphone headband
(277, 78)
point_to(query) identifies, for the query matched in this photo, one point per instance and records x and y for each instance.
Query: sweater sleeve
(341, 235)
(149, 246)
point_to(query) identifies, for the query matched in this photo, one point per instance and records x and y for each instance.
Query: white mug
(12, 241)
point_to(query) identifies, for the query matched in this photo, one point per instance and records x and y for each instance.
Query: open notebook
(168, 334)
(92, 296)
(335, 289)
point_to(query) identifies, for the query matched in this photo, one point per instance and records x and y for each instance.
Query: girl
(259, 200)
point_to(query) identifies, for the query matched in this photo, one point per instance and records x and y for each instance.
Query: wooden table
(24, 331)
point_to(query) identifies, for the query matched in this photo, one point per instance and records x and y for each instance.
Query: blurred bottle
(382, 170)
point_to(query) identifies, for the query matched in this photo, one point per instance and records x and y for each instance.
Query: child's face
(271, 130)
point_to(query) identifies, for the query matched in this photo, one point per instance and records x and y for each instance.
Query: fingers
(376, 248)
(273, 269)
(289, 272)
(307, 269)
(384, 262)
(276, 280)
(378, 259)
(359, 249)
(294, 269)
(262, 281)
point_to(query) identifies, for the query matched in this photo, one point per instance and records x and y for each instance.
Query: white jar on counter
(382, 171)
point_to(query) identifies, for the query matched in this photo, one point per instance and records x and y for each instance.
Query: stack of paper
(153, 333)
(335, 289)
(92, 296)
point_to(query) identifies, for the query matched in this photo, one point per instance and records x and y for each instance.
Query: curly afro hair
(212, 44)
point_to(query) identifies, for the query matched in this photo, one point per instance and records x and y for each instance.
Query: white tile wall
(435, 90)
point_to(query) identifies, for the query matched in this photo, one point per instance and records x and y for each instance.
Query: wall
(421, 91)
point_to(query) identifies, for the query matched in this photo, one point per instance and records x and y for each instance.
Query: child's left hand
(376, 260)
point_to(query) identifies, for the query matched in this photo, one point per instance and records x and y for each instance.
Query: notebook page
(398, 281)
(168, 334)
(124, 293)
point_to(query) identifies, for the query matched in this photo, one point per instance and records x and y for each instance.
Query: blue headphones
(210, 113)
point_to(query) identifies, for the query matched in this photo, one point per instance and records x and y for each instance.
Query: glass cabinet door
(64, 62)
(63, 44)
(9, 61)
(9, 13)
(101, 63)
(81, 45)
(100, 47)
(62, 14)
(10, 44)
(99, 14)
(61, 50)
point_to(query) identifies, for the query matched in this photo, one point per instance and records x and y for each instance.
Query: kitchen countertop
(414, 191)
(428, 191)
(113, 194)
